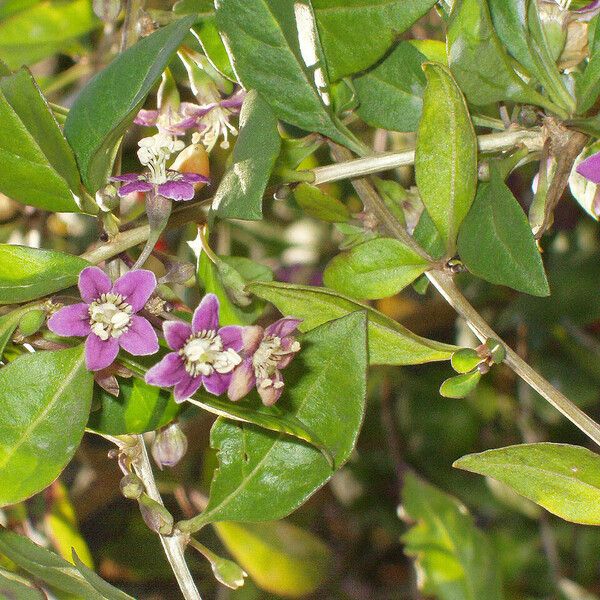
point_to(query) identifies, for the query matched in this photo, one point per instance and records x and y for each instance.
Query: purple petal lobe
(140, 339)
(283, 327)
(176, 333)
(127, 177)
(73, 320)
(217, 383)
(269, 395)
(186, 388)
(193, 178)
(146, 118)
(100, 354)
(232, 337)
(590, 168)
(136, 186)
(93, 282)
(252, 336)
(169, 371)
(206, 316)
(177, 190)
(242, 381)
(136, 287)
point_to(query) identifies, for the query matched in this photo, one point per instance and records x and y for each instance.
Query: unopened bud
(132, 486)
(155, 515)
(107, 10)
(169, 446)
(31, 322)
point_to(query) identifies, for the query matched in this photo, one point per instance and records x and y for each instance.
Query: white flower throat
(155, 151)
(110, 316)
(267, 357)
(203, 354)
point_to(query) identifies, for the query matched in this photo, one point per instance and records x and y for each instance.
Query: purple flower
(178, 186)
(590, 168)
(170, 123)
(204, 353)
(108, 316)
(266, 352)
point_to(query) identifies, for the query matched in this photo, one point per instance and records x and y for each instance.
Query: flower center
(267, 357)
(203, 354)
(110, 316)
(154, 152)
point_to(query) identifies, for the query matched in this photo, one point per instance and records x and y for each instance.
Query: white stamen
(155, 151)
(110, 316)
(203, 354)
(267, 357)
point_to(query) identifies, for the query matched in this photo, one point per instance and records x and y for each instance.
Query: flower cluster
(230, 359)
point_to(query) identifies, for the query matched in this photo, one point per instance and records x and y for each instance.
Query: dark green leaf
(357, 33)
(262, 39)
(495, 241)
(102, 587)
(378, 268)
(563, 479)
(264, 476)
(44, 29)
(45, 399)
(320, 205)
(107, 105)
(460, 385)
(30, 273)
(391, 94)
(240, 193)
(14, 587)
(389, 342)
(446, 154)
(428, 236)
(456, 559)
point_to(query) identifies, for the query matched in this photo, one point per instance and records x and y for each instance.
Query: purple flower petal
(193, 178)
(270, 394)
(194, 110)
(176, 333)
(177, 190)
(136, 287)
(590, 168)
(136, 186)
(216, 383)
(140, 339)
(73, 320)
(232, 336)
(146, 118)
(242, 381)
(186, 388)
(234, 101)
(128, 177)
(180, 127)
(252, 336)
(93, 282)
(283, 327)
(206, 316)
(100, 354)
(589, 11)
(169, 371)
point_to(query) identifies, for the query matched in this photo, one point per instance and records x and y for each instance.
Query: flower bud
(132, 486)
(31, 321)
(155, 515)
(169, 446)
(107, 10)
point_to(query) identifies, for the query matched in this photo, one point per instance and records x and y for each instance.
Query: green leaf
(587, 85)
(212, 44)
(45, 399)
(465, 360)
(279, 556)
(8, 324)
(240, 193)
(460, 385)
(102, 587)
(446, 154)
(318, 204)
(428, 237)
(563, 479)
(264, 476)
(391, 94)
(262, 39)
(389, 342)
(10, 7)
(139, 408)
(496, 243)
(30, 273)
(478, 60)
(355, 34)
(455, 557)
(13, 586)
(44, 29)
(107, 105)
(45, 565)
(377, 268)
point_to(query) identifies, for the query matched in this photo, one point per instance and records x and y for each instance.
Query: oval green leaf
(30, 273)
(45, 399)
(446, 154)
(465, 360)
(460, 385)
(375, 269)
(320, 205)
(563, 479)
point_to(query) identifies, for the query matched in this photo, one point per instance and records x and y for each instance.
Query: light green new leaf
(240, 193)
(45, 399)
(14, 586)
(262, 39)
(355, 34)
(212, 44)
(265, 476)
(316, 203)
(44, 29)
(389, 342)
(30, 273)
(563, 479)
(496, 243)
(587, 85)
(457, 560)
(446, 154)
(460, 386)
(391, 94)
(279, 556)
(8, 324)
(377, 268)
(107, 105)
